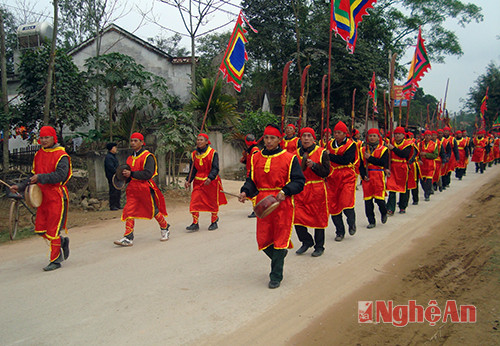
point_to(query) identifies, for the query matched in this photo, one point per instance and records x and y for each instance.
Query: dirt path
(206, 287)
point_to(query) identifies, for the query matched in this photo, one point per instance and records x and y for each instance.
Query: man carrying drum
(51, 171)
(207, 195)
(274, 172)
(251, 148)
(311, 205)
(144, 198)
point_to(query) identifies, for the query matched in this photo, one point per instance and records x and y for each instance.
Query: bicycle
(17, 201)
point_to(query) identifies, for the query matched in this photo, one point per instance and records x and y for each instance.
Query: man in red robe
(463, 153)
(51, 171)
(374, 167)
(144, 198)
(341, 183)
(311, 205)
(290, 141)
(274, 172)
(207, 193)
(480, 144)
(427, 161)
(397, 182)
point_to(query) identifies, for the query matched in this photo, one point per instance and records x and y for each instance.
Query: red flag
(373, 93)
(419, 65)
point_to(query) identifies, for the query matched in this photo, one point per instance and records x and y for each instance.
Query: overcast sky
(480, 42)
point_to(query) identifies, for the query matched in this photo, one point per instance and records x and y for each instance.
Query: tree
(222, 109)
(69, 103)
(170, 45)
(491, 79)
(50, 69)
(391, 26)
(4, 99)
(194, 15)
(130, 88)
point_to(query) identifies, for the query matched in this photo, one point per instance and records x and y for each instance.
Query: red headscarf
(400, 129)
(272, 131)
(341, 127)
(292, 125)
(308, 130)
(137, 135)
(206, 136)
(427, 132)
(48, 131)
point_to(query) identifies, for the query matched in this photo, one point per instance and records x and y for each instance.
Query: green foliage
(491, 79)
(10, 29)
(176, 133)
(391, 26)
(69, 105)
(255, 122)
(222, 109)
(211, 50)
(170, 45)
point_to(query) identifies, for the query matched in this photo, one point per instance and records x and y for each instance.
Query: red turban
(446, 129)
(308, 130)
(400, 130)
(272, 131)
(48, 131)
(481, 132)
(410, 134)
(440, 130)
(355, 132)
(292, 125)
(434, 132)
(327, 131)
(374, 131)
(427, 132)
(458, 132)
(205, 136)
(137, 135)
(341, 127)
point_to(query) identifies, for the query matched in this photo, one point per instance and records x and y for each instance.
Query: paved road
(200, 288)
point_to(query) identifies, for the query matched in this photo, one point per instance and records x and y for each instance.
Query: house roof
(138, 40)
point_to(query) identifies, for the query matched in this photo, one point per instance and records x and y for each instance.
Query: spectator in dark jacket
(110, 165)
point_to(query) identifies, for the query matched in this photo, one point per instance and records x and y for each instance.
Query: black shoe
(252, 215)
(302, 249)
(193, 227)
(52, 266)
(402, 211)
(274, 284)
(352, 230)
(390, 212)
(114, 208)
(339, 238)
(384, 218)
(371, 225)
(415, 203)
(65, 247)
(427, 199)
(317, 252)
(213, 226)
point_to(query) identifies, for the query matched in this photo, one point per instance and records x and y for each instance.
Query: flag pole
(283, 93)
(407, 113)
(329, 79)
(385, 115)
(323, 104)
(366, 114)
(302, 86)
(352, 109)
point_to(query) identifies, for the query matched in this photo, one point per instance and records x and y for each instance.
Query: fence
(22, 158)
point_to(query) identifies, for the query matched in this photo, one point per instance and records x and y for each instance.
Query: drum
(266, 206)
(118, 183)
(119, 172)
(33, 195)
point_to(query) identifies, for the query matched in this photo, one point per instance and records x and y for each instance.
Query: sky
(480, 42)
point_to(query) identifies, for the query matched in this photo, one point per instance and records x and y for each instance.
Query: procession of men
(304, 182)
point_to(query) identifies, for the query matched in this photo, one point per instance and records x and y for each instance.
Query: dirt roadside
(459, 261)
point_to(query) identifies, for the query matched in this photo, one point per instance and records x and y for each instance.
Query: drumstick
(3, 182)
(231, 194)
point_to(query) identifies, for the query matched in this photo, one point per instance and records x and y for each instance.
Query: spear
(385, 115)
(445, 95)
(391, 95)
(323, 103)
(427, 123)
(302, 85)
(366, 114)
(352, 110)
(283, 93)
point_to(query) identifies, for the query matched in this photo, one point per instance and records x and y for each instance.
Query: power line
(28, 11)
